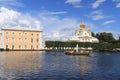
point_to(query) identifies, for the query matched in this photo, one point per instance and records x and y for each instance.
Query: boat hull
(81, 52)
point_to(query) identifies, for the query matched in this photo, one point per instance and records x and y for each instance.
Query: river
(41, 65)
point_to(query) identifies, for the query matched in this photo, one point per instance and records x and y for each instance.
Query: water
(38, 65)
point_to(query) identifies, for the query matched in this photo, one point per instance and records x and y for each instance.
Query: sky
(58, 19)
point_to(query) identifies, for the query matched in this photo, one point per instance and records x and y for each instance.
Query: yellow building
(21, 39)
(0, 39)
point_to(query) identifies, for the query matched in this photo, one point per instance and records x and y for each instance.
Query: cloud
(118, 3)
(97, 15)
(53, 24)
(75, 3)
(54, 35)
(11, 18)
(116, 0)
(9, 3)
(97, 3)
(59, 12)
(108, 22)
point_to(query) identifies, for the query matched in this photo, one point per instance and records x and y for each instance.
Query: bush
(1, 49)
(7, 49)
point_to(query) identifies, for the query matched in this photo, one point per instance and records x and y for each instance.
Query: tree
(93, 34)
(119, 38)
(105, 37)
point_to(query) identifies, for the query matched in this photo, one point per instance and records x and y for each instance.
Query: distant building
(20, 39)
(83, 35)
(0, 39)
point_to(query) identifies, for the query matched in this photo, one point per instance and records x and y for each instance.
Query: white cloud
(108, 22)
(59, 12)
(97, 15)
(11, 18)
(116, 0)
(72, 1)
(54, 35)
(75, 3)
(97, 3)
(118, 5)
(7, 3)
(61, 27)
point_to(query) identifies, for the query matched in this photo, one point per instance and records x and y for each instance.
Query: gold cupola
(89, 30)
(82, 25)
(76, 31)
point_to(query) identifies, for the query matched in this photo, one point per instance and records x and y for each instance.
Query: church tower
(82, 26)
(89, 31)
(76, 31)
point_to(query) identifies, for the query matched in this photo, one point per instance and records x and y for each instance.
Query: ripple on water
(38, 65)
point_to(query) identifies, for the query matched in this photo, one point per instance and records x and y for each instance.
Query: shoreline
(52, 50)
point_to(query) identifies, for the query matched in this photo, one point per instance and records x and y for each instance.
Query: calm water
(27, 65)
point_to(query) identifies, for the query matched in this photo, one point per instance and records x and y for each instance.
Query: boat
(81, 51)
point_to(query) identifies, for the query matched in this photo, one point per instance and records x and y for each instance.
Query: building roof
(22, 29)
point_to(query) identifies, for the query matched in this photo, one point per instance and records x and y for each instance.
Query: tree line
(106, 42)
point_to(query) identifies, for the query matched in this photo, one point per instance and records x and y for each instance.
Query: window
(13, 40)
(25, 46)
(37, 34)
(31, 46)
(37, 46)
(19, 34)
(32, 34)
(6, 33)
(31, 40)
(19, 46)
(6, 46)
(7, 39)
(20, 40)
(13, 46)
(25, 34)
(37, 40)
(25, 39)
(12, 33)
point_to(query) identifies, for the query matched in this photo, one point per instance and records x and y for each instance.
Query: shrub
(7, 49)
(1, 49)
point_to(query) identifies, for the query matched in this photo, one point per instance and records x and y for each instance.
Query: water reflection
(84, 64)
(19, 63)
(36, 65)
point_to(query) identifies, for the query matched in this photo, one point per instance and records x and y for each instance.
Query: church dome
(82, 25)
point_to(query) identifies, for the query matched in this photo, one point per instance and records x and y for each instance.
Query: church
(82, 35)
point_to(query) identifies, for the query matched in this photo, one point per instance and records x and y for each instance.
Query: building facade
(21, 39)
(83, 35)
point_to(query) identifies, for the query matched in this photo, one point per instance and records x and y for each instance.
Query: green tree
(119, 38)
(105, 37)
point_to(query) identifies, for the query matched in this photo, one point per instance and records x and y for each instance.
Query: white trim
(21, 29)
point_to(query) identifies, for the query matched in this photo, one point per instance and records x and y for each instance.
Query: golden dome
(82, 24)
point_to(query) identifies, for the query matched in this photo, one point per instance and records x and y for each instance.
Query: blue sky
(59, 18)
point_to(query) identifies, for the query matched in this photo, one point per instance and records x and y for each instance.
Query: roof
(22, 29)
